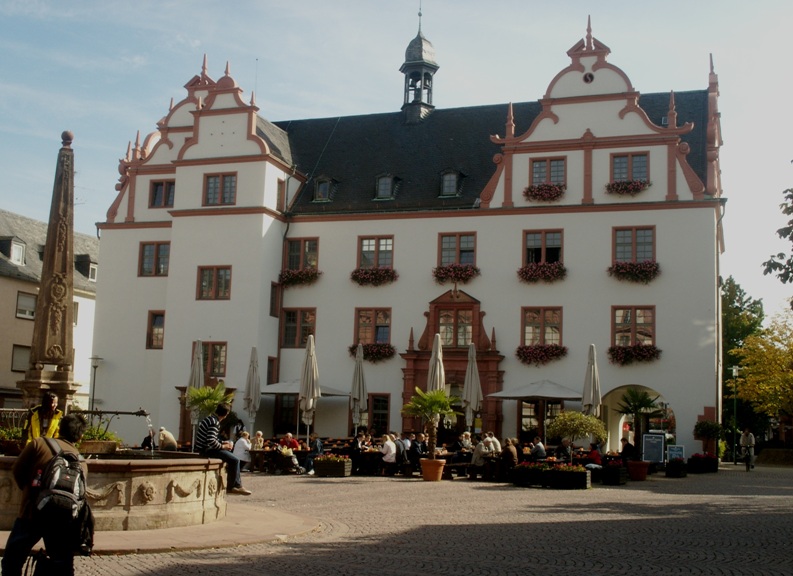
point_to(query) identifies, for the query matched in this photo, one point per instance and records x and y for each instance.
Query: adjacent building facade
(21, 248)
(589, 216)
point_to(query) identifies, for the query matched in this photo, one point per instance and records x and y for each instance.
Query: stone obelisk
(52, 350)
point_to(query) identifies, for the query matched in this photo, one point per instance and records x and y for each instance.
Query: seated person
(388, 451)
(242, 450)
(537, 449)
(314, 450)
(289, 442)
(563, 450)
(466, 442)
(628, 451)
(148, 441)
(257, 443)
(417, 451)
(507, 461)
(456, 446)
(478, 458)
(495, 445)
(594, 456)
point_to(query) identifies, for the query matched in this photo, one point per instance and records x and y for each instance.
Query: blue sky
(108, 69)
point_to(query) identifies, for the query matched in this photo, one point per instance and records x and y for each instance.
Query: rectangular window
(630, 167)
(385, 187)
(162, 193)
(298, 325)
(302, 253)
(76, 309)
(633, 325)
(18, 253)
(280, 201)
(93, 269)
(376, 252)
(26, 305)
(455, 327)
(214, 359)
(634, 244)
(20, 358)
(214, 283)
(275, 299)
(373, 326)
(542, 326)
(155, 334)
(449, 184)
(272, 370)
(543, 246)
(379, 413)
(457, 249)
(548, 171)
(154, 258)
(220, 190)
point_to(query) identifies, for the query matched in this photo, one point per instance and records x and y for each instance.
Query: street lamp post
(735, 370)
(95, 362)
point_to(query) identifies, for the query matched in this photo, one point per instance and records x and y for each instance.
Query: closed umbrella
(472, 388)
(309, 385)
(358, 393)
(436, 377)
(196, 379)
(253, 386)
(592, 399)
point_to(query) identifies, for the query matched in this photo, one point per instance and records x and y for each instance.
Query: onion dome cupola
(419, 69)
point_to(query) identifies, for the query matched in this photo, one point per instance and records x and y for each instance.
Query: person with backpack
(44, 419)
(32, 471)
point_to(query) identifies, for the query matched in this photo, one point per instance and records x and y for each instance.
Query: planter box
(676, 470)
(332, 469)
(527, 477)
(637, 469)
(703, 465)
(614, 475)
(569, 480)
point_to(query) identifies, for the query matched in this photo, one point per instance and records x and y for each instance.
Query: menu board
(675, 451)
(653, 448)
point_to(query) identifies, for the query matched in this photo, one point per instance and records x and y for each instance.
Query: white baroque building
(221, 214)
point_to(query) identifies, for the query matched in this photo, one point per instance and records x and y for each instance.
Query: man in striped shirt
(208, 444)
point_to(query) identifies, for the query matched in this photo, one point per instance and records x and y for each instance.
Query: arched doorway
(659, 420)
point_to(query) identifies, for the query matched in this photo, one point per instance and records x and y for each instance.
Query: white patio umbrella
(472, 388)
(436, 377)
(591, 398)
(196, 379)
(309, 385)
(253, 388)
(358, 393)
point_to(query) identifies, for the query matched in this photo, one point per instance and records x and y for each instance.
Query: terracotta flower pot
(637, 469)
(432, 470)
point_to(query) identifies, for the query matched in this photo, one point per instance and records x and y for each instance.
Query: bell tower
(419, 69)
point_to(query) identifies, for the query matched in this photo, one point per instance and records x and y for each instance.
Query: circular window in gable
(588, 78)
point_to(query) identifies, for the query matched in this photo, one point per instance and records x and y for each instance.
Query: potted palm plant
(640, 406)
(431, 407)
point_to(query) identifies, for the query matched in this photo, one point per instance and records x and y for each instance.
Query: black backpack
(62, 489)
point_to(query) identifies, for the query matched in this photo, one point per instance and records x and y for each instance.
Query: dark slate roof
(33, 234)
(354, 151)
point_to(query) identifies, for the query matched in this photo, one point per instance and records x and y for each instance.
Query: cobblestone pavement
(730, 523)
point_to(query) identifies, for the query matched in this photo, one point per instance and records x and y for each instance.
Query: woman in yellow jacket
(44, 419)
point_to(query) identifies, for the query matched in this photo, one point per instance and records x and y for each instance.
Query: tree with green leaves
(782, 264)
(206, 399)
(431, 407)
(766, 359)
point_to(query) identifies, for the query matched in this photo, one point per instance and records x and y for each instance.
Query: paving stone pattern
(730, 523)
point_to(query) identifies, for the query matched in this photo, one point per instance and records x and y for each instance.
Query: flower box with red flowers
(545, 192)
(461, 273)
(374, 276)
(539, 354)
(642, 272)
(545, 271)
(627, 187)
(297, 277)
(374, 352)
(624, 355)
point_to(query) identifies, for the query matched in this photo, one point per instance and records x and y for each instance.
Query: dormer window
(92, 270)
(322, 190)
(18, 253)
(385, 188)
(450, 183)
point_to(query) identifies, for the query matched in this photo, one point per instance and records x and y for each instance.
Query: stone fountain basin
(135, 490)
